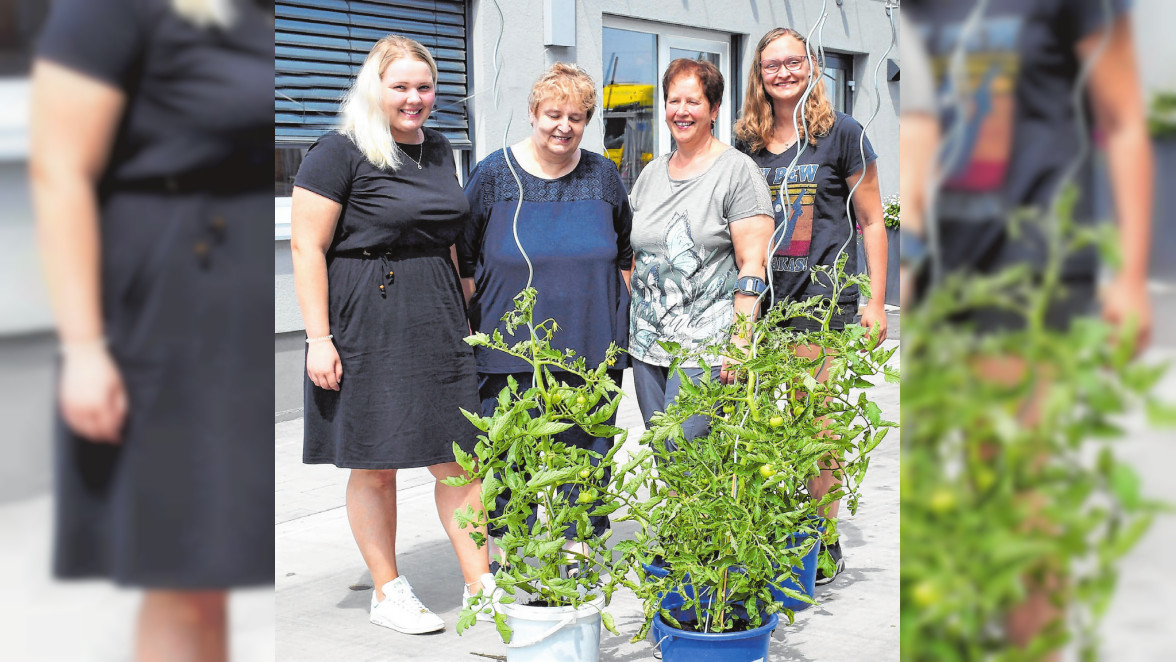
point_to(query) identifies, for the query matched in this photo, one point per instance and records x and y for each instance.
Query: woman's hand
(91, 394)
(874, 320)
(1127, 307)
(730, 372)
(323, 365)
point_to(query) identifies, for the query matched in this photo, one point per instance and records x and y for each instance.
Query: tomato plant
(1000, 486)
(722, 508)
(518, 450)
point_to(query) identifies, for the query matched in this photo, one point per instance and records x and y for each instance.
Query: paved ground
(320, 617)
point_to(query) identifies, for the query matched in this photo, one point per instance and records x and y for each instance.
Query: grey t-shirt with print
(684, 281)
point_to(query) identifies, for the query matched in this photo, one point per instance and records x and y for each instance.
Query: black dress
(187, 500)
(396, 310)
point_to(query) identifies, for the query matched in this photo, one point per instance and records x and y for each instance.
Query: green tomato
(586, 497)
(942, 501)
(585, 473)
(798, 411)
(580, 400)
(985, 478)
(926, 593)
(556, 398)
(767, 470)
(775, 422)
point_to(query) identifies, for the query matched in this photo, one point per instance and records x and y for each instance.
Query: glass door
(636, 54)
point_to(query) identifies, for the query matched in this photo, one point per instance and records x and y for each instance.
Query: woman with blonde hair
(375, 210)
(573, 223)
(813, 157)
(151, 162)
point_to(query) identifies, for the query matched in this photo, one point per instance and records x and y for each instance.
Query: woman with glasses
(813, 157)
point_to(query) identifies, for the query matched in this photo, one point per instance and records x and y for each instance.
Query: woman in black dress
(375, 211)
(150, 166)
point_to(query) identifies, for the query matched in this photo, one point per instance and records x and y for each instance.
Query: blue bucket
(672, 600)
(687, 646)
(805, 575)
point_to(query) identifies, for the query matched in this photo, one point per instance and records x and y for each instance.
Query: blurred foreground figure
(1013, 513)
(150, 168)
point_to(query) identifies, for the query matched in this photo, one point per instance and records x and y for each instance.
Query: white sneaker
(400, 610)
(483, 606)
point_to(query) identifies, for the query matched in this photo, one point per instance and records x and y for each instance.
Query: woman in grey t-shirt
(701, 225)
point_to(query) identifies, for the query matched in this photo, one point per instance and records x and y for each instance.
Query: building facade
(490, 52)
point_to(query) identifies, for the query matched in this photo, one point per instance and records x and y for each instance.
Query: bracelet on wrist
(912, 250)
(74, 346)
(329, 336)
(752, 286)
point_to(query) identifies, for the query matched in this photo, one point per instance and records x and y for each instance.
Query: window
(319, 46)
(630, 75)
(636, 54)
(839, 84)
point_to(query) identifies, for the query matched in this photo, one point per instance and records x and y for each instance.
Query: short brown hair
(564, 81)
(707, 74)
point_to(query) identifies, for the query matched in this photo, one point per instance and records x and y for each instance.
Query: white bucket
(547, 634)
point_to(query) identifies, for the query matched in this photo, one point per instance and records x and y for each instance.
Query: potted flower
(549, 602)
(728, 521)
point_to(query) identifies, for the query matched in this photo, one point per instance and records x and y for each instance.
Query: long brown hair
(757, 123)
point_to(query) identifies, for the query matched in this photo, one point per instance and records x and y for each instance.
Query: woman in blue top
(574, 225)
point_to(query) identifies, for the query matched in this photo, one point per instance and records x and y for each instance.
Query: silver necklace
(419, 157)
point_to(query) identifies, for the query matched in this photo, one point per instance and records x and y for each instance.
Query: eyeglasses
(790, 63)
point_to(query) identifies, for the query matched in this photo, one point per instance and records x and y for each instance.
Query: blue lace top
(575, 229)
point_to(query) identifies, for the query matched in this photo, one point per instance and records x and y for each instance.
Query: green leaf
(542, 428)
(873, 413)
(504, 630)
(1125, 483)
(482, 424)
(464, 459)
(609, 623)
(466, 620)
(498, 428)
(549, 477)
(1161, 414)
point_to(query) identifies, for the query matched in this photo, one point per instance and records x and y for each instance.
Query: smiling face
(408, 95)
(784, 85)
(688, 113)
(558, 127)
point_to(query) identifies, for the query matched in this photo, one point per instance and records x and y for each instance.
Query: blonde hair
(757, 123)
(362, 117)
(564, 81)
(206, 13)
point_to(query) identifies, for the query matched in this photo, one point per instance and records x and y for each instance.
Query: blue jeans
(657, 388)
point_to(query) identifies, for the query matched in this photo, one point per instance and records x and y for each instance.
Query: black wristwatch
(752, 286)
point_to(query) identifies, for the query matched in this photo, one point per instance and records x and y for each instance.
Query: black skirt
(407, 371)
(186, 501)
